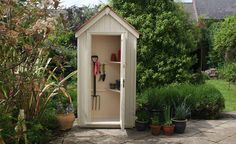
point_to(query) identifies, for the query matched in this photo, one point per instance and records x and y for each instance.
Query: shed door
(122, 73)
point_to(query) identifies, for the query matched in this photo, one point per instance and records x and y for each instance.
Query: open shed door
(122, 88)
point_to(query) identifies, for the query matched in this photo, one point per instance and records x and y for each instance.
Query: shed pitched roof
(107, 10)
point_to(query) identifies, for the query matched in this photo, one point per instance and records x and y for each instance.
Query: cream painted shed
(107, 46)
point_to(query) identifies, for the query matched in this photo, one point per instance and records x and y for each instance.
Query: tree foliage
(64, 41)
(228, 72)
(224, 40)
(167, 42)
(76, 16)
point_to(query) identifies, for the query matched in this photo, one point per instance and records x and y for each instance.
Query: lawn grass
(229, 94)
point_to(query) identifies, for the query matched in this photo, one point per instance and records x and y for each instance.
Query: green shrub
(7, 126)
(204, 101)
(72, 90)
(208, 102)
(181, 111)
(150, 99)
(142, 116)
(42, 130)
(228, 72)
(198, 78)
(167, 43)
(37, 133)
(155, 119)
(167, 116)
(38, 130)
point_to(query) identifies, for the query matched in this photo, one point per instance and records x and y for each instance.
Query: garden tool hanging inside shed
(103, 74)
(96, 99)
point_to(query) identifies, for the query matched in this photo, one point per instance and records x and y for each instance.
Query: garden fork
(95, 103)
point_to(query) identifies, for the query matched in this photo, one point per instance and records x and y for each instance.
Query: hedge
(205, 101)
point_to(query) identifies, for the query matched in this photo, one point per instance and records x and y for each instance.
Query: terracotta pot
(119, 55)
(168, 129)
(66, 120)
(113, 57)
(180, 125)
(155, 129)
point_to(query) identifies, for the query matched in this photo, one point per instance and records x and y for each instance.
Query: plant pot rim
(176, 120)
(144, 122)
(172, 125)
(151, 125)
(65, 113)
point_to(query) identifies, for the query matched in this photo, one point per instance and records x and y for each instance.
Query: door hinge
(123, 83)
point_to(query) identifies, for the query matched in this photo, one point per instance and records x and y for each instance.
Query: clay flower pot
(155, 129)
(66, 120)
(168, 129)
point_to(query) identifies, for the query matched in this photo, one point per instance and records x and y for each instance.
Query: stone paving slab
(229, 114)
(229, 140)
(197, 132)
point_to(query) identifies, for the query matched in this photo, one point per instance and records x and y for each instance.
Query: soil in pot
(66, 120)
(180, 125)
(168, 129)
(155, 129)
(140, 125)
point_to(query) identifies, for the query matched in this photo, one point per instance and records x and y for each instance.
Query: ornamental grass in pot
(65, 113)
(180, 119)
(168, 127)
(155, 125)
(141, 122)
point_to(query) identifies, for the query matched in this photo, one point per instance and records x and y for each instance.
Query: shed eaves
(92, 18)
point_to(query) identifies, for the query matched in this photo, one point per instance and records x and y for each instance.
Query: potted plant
(168, 127)
(65, 113)
(141, 122)
(155, 125)
(181, 112)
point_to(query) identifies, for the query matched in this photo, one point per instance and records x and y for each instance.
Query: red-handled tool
(96, 65)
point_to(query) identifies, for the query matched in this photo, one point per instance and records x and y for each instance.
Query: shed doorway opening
(105, 79)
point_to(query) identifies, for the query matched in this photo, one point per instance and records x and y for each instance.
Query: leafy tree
(224, 40)
(76, 16)
(213, 57)
(167, 42)
(64, 41)
(228, 72)
(204, 45)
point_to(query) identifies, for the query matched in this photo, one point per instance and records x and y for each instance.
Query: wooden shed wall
(107, 24)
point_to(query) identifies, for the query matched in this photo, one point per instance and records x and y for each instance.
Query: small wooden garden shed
(107, 46)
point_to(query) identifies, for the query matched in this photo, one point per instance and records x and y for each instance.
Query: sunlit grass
(229, 94)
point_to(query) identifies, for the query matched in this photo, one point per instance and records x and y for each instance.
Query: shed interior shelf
(114, 62)
(104, 90)
(114, 90)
